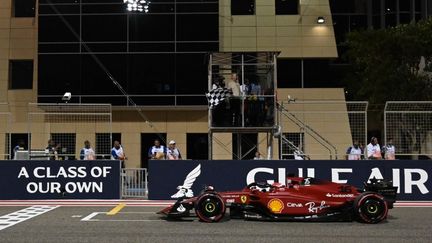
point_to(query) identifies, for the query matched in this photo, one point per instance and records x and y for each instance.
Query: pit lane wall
(410, 176)
(32, 179)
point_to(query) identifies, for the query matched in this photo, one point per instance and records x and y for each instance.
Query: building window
(15, 141)
(197, 146)
(20, 74)
(23, 8)
(242, 7)
(287, 7)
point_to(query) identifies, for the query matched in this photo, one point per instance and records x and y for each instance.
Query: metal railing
(408, 124)
(315, 135)
(122, 100)
(134, 183)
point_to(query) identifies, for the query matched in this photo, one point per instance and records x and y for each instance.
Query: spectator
(355, 152)
(51, 150)
(255, 111)
(235, 100)
(258, 156)
(173, 153)
(298, 153)
(87, 153)
(157, 151)
(117, 153)
(234, 85)
(61, 151)
(218, 82)
(245, 88)
(373, 149)
(19, 146)
(389, 150)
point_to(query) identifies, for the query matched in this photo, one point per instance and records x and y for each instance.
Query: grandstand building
(160, 59)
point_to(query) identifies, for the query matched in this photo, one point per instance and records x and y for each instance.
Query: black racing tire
(370, 208)
(210, 207)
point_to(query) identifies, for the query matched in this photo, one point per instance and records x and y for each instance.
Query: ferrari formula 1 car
(302, 199)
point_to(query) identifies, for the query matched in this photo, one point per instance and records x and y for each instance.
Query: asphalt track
(139, 224)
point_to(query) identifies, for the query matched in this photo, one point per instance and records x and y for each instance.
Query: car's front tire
(210, 207)
(370, 208)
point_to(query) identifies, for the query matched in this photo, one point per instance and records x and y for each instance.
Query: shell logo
(275, 205)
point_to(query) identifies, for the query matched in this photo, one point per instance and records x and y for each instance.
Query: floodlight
(137, 5)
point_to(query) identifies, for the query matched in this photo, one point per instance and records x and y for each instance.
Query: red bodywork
(301, 199)
(297, 198)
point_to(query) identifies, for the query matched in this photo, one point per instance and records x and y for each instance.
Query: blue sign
(410, 176)
(59, 179)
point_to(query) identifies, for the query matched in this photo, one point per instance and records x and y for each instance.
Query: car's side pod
(384, 188)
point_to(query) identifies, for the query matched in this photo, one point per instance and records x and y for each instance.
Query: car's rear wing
(383, 187)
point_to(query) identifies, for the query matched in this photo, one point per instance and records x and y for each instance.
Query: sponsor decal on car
(243, 199)
(339, 195)
(181, 209)
(275, 205)
(230, 200)
(314, 209)
(294, 205)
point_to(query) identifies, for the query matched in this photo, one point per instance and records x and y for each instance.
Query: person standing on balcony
(51, 150)
(117, 153)
(389, 150)
(173, 153)
(373, 149)
(87, 153)
(355, 152)
(235, 100)
(157, 151)
(258, 156)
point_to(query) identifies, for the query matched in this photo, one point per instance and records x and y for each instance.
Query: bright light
(137, 5)
(320, 20)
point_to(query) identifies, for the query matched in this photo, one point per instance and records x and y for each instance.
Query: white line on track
(91, 216)
(22, 215)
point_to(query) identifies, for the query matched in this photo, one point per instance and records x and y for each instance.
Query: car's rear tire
(210, 207)
(370, 208)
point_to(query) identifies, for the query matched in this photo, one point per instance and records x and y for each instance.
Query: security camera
(67, 96)
(291, 99)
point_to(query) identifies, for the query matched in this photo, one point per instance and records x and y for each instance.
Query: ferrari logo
(275, 205)
(243, 199)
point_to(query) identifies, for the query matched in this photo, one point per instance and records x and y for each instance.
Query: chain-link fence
(58, 131)
(5, 125)
(322, 129)
(409, 125)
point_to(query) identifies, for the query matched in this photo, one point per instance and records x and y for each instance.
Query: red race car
(302, 199)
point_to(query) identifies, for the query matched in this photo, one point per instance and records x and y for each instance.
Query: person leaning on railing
(389, 150)
(173, 153)
(87, 153)
(157, 151)
(354, 152)
(117, 153)
(373, 149)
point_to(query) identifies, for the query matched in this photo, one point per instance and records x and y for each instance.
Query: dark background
(161, 52)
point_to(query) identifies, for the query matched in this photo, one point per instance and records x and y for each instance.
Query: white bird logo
(185, 190)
